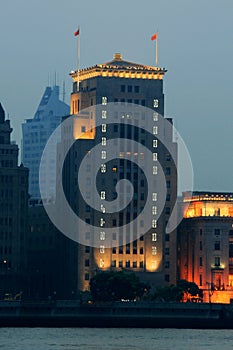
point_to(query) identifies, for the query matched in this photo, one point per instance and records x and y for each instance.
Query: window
(155, 130)
(141, 264)
(102, 222)
(104, 141)
(200, 245)
(200, 280)
(155, 157)
(154, 197)
(168, 183)
(87, 235)
(114, 250)
(83, 129)
(113, 263)
(130, 89)
(217, 245)
(154, 237)
(101, 263)
(104, 127)
(200, 261)
(120, 263)
(87, 262)
(155, 170)
(155, 116)
(168, 197)
(104, 114)
(156, 103)
(127, 264)
(167, 278)
(103, 168)
(141, 250)
(217, 231)
(167, 210)
(103, 154)
(87, 249)
(167, 264)
(155, 143)
(136, 89)
(102, 194)
(122, 88)
(102, 235)
(154, 210)
(154, 223)
(134, 264)
(102, 249)
(104, 100)
(217, 261)
(167, 237)
(154, 250)
(86, 277)
(168, 171)
(167, 251)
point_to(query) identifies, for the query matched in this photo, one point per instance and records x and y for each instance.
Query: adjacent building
(13, 213)
(36, 132)
(205, 243)
(125, 85)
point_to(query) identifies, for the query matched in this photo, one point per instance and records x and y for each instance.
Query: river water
(114, 339)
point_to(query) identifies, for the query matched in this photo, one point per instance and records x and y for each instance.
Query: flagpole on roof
(156, 51)
(77, 33)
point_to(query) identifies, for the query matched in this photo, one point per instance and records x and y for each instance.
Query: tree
(113, 286)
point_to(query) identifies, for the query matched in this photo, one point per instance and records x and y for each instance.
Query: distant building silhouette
(36, 132)
(13, 214)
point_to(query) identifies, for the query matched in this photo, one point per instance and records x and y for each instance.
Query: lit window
(102, 249)
(154, 237)
(154, 250)
(154, 210)
(154, 223)
(101, 263)
(156, 103)
(104, 127)
(155, 170)
(114, 169)
(104, 141)
(102, 235)
(154, 196)
(155, 143)
(153, 264)
(155, 116)
(102, 208)
(104, 114)
(103, 154)
(104, 100)
(102, 194)
(102, 222)
(103, 168)
(155, 157)
(155, 130)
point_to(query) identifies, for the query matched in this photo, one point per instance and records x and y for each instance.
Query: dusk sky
(195, 45)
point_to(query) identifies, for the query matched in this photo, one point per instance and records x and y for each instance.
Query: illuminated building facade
(119, 82)
(205, 243)
(13, 213)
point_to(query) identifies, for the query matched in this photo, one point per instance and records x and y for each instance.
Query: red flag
(77, 32)
(154, 36)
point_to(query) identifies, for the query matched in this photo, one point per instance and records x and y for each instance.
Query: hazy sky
(195, 45)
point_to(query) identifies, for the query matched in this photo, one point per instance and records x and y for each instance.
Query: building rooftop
(119, 68)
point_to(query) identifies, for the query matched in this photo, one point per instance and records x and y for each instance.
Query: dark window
(141, 250)
(121, 250)
(167, 251)
(168, 183)
(217, 231)
(168, 197)
(87, 249)
(217, 245)
(200, 280)
(114, 263)
(120, 263)
(130, 89)
(134, 264)
(143, 102)
(136, 89)
(167, 264)
(217, 261)
(168, 171)
(87, 262)
(122, 88)
(200, 245)
(87, 277)
(114, 250)
(200, 261)
(127, 264)
(167, 237)
(167, 278)
(167, 210)
(200, 232)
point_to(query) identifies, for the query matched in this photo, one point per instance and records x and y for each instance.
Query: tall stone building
(205, 243)
(119, 240)
(13, 213)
